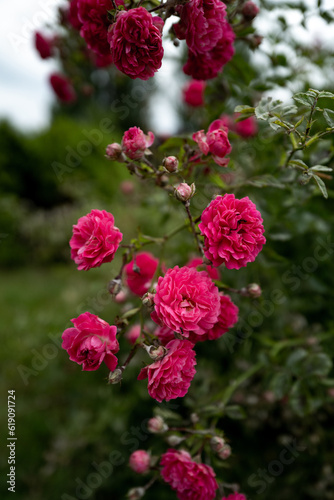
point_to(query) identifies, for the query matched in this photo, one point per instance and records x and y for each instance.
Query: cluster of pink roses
(134, 145)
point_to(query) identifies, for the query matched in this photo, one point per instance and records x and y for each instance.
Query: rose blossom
(227, 318)
(193, 93)
(140, 461)
(164, 334)
(208, 35)
(73, 16)
(215, 141)
(93, 14)
(235, 496)
(62, 88)
(90, 342)
(190, 480)
(44, 45)
(132, 334)
(135, 142)
(171, 376)
(140, 271)
(246, 128)
(198, 263)
(135, 42)
(233, 231)
(95, 240)
(186, 301)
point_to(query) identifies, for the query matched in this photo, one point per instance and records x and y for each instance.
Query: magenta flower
(215, 141)
(140, 271)
(90, 342)
(186, 301)
(95, 240)
(62, 88)
(164, 334)
(235, 496)
(247, 128)
(135, 142)
(133, 333)
(171, 376)
(140, 461)
(44, 45)
(190, 480)
(193, 93)
(136, 44)
(228, 317)
(197, 262)
(233, 231)
(73, 15)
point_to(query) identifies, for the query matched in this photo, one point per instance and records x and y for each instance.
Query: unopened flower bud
(256, 41)
(217, 444)
(171, 164)
(155, 353)
(225, 452)
(250, 10)
(194, 418)
(140, 461)
(184, 192)
(135, 493)
(157, 425)
(148, 300)
(252, 290)
(174, 440)
(114, 152)
(116, 376)
(120, 297)
(115, 286)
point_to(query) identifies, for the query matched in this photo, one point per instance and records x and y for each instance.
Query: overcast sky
(25, 95)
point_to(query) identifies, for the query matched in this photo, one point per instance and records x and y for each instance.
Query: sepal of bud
(184, 192)
(116, 376)
(115, 286)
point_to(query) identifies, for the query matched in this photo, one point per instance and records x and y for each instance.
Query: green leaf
(303, 99)
(329, 117)
(244, 109)
(235, 412)
(298, 163)
(318, 364)
(321, 168)
(324, 93)
(294, 361)
(322, 185)
(280, 384)
(297, 399)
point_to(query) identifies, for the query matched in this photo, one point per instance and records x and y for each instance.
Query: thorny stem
(193, 228)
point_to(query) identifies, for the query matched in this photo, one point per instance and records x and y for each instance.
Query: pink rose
(164, 334)
(227, 318)
(73, 15)
(90, 342)
(193, 93)
(135, 143)
(247, 128)
(197, 262)
(133, 333)
(93, 14)
(190, 480)
(135, 42)
(235, 496)
(140, 271)
(186, 301)
(95, 240)
(140, 461)
(171, 376)
(44, 45)
(208, 35)
(215, 141)
(62, 88)
(233, 231)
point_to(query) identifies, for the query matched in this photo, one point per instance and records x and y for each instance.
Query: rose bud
(157, 425)
(184, 192)
(250, 10)
(114, 152)
(171, 164)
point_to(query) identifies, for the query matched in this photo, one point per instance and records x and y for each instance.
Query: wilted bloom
(157, 425)
(215, 141)
(184, 192)
(133, 333)
(136, 44)
(189, 479)
(250, 10)
(95, 240)
(233, 231)
(135, 143)
(140, 271)
(44, 45)
(62, 88)
(193, 93)
(171, 376)
(140, 461)
(90, 341)
(170, 163)
(186, 301)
